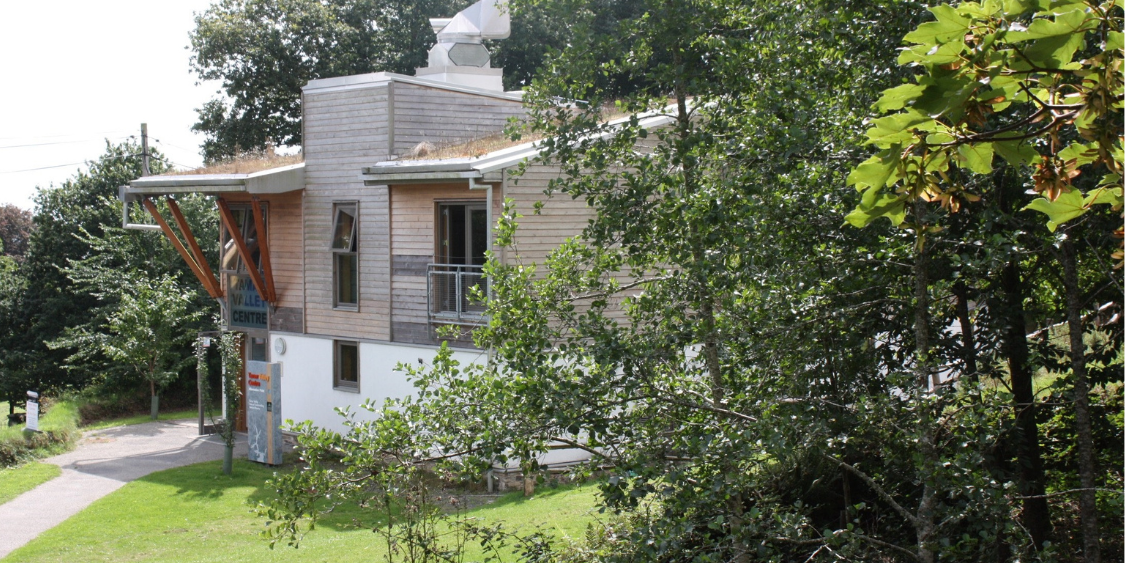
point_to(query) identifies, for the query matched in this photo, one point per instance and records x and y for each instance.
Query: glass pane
(229, 260)
(258, 349)
(347, 279)
(251, 239)
(349, 363)
(455, 243)
(478, 226)
(344, 229)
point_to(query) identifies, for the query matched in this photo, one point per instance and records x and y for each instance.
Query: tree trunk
(1032, 483)
(968, 341)
(155, 404)
(228, 459)
(925, 375)
(1087, 501)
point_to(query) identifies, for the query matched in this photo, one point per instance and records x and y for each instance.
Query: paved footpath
(103, 462)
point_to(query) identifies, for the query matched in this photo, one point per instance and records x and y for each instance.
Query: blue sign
(247, 308)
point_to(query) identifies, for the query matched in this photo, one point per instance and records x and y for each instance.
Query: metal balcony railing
(449, 293)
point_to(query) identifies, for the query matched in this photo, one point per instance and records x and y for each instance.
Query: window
(245, 307)
(346, 371)
(462, 233)
(462, 240)
(345, 256)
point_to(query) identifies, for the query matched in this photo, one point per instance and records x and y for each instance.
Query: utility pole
(145, 170)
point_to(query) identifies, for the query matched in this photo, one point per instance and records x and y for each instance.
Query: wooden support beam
(263, 245)
(179, 246)
(236, 235)
(197, 252)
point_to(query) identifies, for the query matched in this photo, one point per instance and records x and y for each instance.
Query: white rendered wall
(306, 376)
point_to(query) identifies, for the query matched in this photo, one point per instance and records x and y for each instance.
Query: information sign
(263, 412)
(32, 410)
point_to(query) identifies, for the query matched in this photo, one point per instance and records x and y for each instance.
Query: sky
(76, 73)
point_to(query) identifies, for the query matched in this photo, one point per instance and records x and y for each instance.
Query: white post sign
(32, 409)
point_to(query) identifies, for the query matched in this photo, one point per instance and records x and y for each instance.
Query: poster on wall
(247, 308)
(263, 412)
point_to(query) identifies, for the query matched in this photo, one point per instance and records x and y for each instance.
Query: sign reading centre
(247, 308)
(263, 412)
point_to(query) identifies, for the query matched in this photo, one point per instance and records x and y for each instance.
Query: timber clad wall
(345, 130)
(561, 217)
(420, 111)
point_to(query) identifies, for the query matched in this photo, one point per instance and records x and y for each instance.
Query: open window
(345, 255)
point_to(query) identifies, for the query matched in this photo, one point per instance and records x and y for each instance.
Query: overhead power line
(87, 140)
(100, 159)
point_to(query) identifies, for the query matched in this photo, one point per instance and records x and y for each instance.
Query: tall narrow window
(345, 255)
(346, 372)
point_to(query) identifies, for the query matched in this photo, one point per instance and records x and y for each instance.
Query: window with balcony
(462, 240)
(345, 255)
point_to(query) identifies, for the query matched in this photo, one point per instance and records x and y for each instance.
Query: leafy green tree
(12, 387)
(727, 389)
(759, 383)
(50, 302)
(151, 319)
(1052, 77)
(70, 279)
(265, 52)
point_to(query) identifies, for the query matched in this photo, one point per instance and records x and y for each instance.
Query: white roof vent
(459, 57)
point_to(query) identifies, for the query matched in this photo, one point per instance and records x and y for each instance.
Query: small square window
(346, 372)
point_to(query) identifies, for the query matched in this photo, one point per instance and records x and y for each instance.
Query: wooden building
(345, 265)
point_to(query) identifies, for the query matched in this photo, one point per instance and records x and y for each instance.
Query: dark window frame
(339, 382)
(345, 249)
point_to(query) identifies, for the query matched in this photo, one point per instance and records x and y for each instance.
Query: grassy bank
(15, 481)
(58, 430)
(195, 513)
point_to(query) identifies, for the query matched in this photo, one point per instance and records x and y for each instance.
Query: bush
(58, 431)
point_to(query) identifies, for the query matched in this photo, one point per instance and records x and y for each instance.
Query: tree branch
(906, 515)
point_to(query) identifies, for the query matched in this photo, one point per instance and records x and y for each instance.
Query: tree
(727, 389)
(49, 301)
(70, 280)
(151, 319)
(1052, 77)
(265, 52)
(15, 229)
(758, 383)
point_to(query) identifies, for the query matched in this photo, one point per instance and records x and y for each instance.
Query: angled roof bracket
(263, 246)
(195, 259)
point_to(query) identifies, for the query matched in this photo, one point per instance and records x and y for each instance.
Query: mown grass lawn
(195, 514)
(14, 481)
